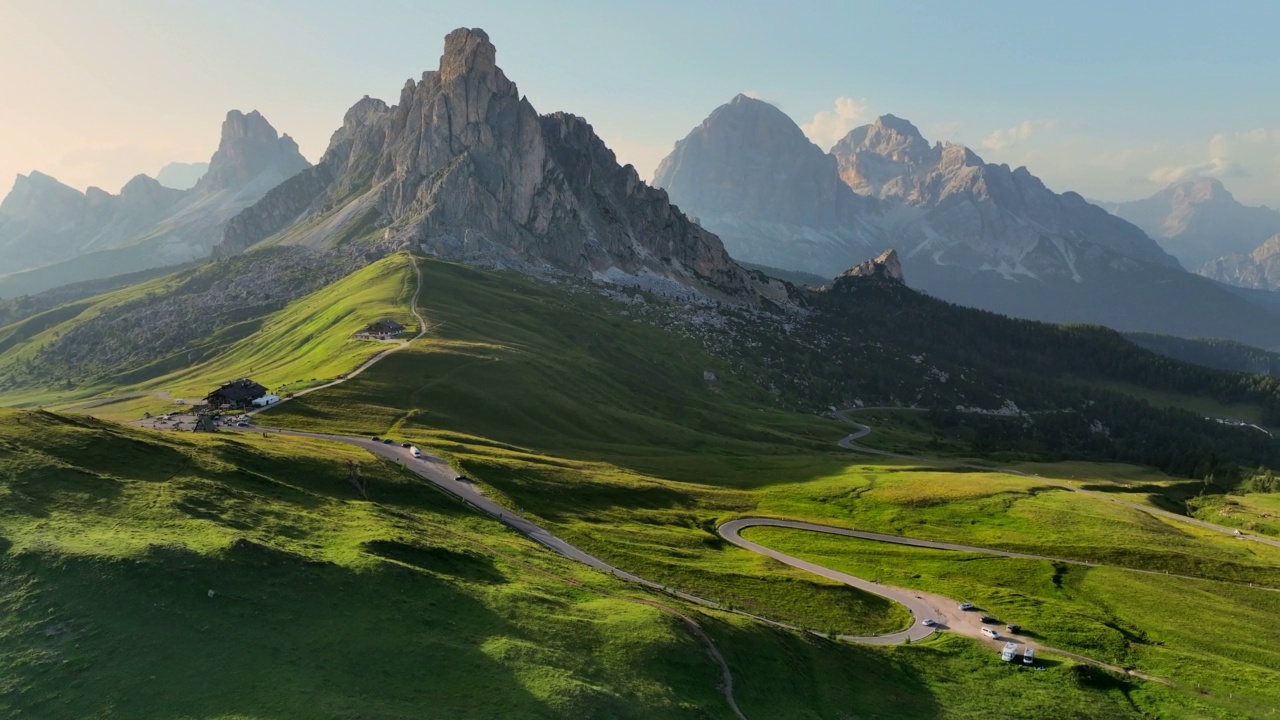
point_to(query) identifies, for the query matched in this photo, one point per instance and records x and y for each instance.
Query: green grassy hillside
(311, 339)
(243, 577)
(306, 342)
(604, 429)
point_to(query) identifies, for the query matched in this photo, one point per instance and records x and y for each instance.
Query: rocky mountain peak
(250, 149)
(889, 136)
(37, 197)
(145, 193)
(467, 51)
(1199, 190)
(884, 158)
(750, 161)
(885, 267)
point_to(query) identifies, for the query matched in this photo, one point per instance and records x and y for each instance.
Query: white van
(1029, 657)
(415, 452)
(991, 633)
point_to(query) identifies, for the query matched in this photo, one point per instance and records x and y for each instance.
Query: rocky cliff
(465, 168)
(885, 267)
(51, 234)
(1199, 220)
(1258, 270)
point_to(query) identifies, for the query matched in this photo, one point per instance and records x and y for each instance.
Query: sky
(1111, 99)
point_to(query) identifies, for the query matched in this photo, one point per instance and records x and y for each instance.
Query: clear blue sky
(1107, 98)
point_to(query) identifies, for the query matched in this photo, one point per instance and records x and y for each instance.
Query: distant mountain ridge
(966, 231)
(52, 234)
(181, 176)
(1199, 220)
(464, 168)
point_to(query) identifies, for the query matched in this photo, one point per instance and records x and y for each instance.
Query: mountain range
(464, 168)
(52, 234)
(971, 232)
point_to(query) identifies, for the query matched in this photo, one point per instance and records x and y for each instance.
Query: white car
(966, 606)
(928, 622)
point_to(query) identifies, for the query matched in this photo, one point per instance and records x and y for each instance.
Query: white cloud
(755, 94)
(1238, 154)
(829, 126)
(1002, 140)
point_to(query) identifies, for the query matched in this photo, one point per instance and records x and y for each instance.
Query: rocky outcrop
(1258, 270)
(1199, 220)
(73, 237)
(464, 167)
(885, 267)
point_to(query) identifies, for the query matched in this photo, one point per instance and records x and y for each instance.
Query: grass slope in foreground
(406, 605)
(605, 430)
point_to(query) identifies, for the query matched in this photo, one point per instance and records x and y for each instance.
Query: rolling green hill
(243, 577)
(287, 349)
(606, 430)
(632, 427)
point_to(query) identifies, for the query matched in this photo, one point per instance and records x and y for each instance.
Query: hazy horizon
(1108, 101)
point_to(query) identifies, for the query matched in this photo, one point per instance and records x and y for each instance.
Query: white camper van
(1029, 656)
(1010, 652)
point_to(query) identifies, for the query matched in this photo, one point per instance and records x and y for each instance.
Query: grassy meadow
(243, 577)
(604, 429)
(564, 406)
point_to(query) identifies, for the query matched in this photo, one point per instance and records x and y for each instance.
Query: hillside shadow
(35, 492)
(783, 674)
(258, 632)
(1172, 499)
(437, 559)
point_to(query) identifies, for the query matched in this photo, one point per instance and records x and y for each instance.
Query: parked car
(388, 441)
(375, 438)
(1013, 628)
(987, 619)
(461, 478)
(966, 606)
(928, 622)
(406, 445)
(991, 633)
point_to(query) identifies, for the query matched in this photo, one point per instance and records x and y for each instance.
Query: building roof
(238, 391)
(384, 327)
